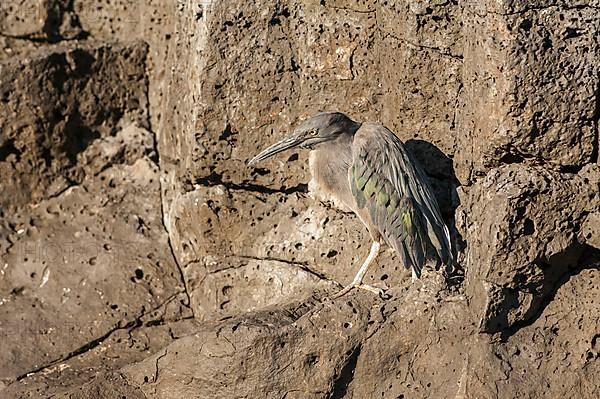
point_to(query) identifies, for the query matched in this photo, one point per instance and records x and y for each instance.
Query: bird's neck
(329, 164)
(338, 152)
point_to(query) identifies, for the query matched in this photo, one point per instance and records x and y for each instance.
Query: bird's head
(318, 129)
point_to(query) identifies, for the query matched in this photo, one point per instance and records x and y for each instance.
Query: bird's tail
(413, 242)
(419, 238)
(439, 236)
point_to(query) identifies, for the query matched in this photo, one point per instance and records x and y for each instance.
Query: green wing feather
(385, 180)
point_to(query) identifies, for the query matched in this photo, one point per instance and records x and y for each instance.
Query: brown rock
(229, 301)
(109, 386)
(22, 17)
(74, 283)
(306, 348)
(234, 259)
(558, 354)
(55, 102)
(508, 278)
(530, 85)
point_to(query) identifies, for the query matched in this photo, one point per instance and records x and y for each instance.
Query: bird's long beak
(285, 144)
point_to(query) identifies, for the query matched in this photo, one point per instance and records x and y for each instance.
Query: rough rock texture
(50, 20)
(75, 284)
(55, 102)
(507, 276)
(142, 258)
(530, 85)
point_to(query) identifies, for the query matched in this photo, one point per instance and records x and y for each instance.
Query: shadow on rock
(556, 272)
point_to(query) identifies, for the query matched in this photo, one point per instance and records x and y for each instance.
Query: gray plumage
(401, 203)
(367, 169)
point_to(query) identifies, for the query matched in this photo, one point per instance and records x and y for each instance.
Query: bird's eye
(314, 132)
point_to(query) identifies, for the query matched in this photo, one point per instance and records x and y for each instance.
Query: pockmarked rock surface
(509, 279)
(142, 258)
(55, 102)
(254, 348)
(530, 85)
(75, 285)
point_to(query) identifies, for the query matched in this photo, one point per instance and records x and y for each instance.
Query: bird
(366, 168)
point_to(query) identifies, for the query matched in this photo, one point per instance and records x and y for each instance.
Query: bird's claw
(343, 291)
(378, 291)
(383, 294)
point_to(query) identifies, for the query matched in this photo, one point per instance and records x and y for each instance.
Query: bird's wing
(386, 180)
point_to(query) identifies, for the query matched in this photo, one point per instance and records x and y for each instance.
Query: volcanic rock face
(142, 258)
(56, 102)
(506, 274)
(530, 85)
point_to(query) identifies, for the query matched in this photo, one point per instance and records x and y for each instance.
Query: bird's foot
(378, 291)
(418, 280)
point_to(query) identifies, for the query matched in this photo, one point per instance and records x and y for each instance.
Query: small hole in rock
(139, 274)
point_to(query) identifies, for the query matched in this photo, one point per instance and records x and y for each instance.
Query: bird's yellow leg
(357, 282)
